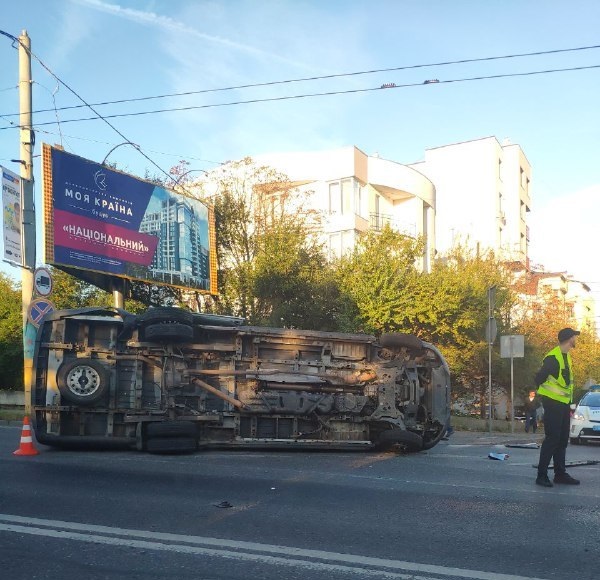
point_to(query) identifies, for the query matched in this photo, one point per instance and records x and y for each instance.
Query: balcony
(377, 221)
(336, 222)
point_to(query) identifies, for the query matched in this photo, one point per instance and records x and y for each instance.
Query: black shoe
(565, 478)
(543, 481)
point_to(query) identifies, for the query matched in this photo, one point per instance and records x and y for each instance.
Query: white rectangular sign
(11, 215)
(512, 346)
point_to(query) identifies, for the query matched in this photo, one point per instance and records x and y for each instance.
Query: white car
(585, 422)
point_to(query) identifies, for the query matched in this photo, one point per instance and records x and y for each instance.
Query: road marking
(317, 560)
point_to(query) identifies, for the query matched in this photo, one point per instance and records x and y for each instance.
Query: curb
(7, 423)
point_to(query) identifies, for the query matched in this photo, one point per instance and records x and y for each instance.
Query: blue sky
(108, 50)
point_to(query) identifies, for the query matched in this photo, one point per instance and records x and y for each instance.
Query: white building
(483, 196)
(573, 298)
(355, 192)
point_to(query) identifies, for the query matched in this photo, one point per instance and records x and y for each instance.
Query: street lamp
(209, 187)
(117, 146)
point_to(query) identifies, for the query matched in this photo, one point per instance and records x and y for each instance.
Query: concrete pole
(28, 237)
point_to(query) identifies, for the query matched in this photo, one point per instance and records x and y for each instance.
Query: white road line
(246, 551)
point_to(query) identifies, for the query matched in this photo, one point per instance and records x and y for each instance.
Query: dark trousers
(531, 421)
(557, 419)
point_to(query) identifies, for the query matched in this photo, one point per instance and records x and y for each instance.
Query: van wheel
(390, 437)
(167, 314)
(171, 331)
(171, 429)
(83, 381)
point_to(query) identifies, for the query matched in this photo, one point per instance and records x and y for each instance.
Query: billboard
(11, 216)
(100, 220)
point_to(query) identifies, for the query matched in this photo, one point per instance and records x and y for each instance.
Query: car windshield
(591, 400)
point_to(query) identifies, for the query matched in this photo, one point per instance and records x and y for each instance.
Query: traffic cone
(26, 446)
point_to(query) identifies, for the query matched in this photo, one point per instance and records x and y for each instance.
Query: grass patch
(12, 414)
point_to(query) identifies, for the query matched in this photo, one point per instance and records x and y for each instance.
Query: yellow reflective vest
(557, 388)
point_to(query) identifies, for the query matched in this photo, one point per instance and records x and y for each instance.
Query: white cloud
(173, 25)
(564, 234)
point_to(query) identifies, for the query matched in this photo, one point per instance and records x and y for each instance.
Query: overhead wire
(89, 140)
(98, 115)
(53, 95)
(329, 76)
(387, 86)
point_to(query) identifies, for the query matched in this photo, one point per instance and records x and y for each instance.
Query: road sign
(38, 309)
(512, 346)
(491, 330)
(42, 281)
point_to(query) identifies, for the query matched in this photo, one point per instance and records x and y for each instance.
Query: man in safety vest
(555, 387)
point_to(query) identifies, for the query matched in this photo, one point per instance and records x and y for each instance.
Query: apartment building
(573, 297)
(182, 256)
(355, 193)
(482, 196)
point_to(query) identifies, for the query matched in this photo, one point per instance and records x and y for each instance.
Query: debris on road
(223, 504)
(523, 445)
(498, 456)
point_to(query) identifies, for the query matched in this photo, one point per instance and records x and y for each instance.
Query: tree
(540, 320)
(11, 335)
(72, 292)
(269, 263)
(379, 279)
(293, 283)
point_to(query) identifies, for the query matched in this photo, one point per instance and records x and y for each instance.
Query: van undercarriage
(170, 380)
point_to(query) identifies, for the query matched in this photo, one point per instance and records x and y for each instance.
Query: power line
(324, 77)
(178, 155)
(98, 115)
(312, 95)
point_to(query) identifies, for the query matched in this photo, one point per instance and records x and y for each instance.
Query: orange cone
(26, 446)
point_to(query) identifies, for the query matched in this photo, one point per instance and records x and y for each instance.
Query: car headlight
(578, 416)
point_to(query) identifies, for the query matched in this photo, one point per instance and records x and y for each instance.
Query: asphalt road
(450, 513)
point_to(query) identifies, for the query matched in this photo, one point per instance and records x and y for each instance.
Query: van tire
(83, 381)
(391, 437)
(167, 314)
(171, 429)
(171, 331)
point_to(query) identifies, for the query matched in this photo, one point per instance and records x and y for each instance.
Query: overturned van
(170, 380)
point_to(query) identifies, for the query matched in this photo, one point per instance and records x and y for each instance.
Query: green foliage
(11, 335)
(271, 271)
(379, 280)
(70, 292)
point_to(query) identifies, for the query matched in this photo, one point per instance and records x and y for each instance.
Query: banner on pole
(11, 216)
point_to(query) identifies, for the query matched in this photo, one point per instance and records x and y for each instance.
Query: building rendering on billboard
(114, 224)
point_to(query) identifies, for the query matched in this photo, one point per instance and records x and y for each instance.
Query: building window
(347, 196)
(335, 199)
(342, 197)
(524, 180)
(500, 169)
(358, 198)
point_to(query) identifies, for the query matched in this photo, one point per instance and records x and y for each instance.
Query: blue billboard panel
(108, 222)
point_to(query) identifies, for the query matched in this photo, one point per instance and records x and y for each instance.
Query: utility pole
(28, 237)
(490, 334)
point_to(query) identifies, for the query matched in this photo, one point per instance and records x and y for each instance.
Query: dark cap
(567, 333)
